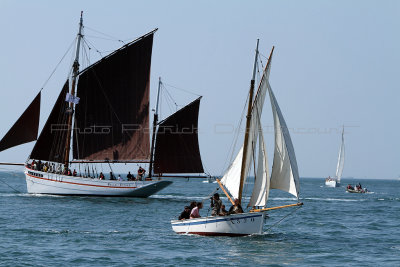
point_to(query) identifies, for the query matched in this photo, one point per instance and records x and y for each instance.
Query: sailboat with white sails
(102, 115)
(284, 175)
(335, 182)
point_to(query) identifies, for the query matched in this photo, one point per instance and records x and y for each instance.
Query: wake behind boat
(102, 116)
(284, 174)
(335, 182)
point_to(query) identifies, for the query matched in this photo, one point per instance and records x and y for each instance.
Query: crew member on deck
(216, 204)
(129, 176)
(236, 208)
(195, 213)
(141, 173)
(101, 177)
(185, 213)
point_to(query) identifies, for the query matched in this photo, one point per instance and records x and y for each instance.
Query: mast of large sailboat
(71, 105)
(155, 120)
(248, 120)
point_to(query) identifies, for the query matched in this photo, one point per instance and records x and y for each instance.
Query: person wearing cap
(185, 213)
(216, 204)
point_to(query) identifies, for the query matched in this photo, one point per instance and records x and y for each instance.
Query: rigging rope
(58, 64)
(4, 182)
(284, 217)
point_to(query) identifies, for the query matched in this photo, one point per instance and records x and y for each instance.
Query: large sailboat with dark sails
(102, 116)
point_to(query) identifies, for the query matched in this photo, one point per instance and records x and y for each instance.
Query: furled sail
(112, 117)
(260, 192)
(51, 143)
(340, 164)
(177, 146)
(25, 129)
(285, 175)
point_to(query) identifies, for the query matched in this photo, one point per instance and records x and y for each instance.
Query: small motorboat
(357, 189)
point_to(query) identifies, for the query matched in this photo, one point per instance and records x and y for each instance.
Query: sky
(335, 63)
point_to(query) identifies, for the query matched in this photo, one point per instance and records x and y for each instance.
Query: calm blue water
(333, 228)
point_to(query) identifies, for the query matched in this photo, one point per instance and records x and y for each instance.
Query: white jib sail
(285, 175)
(340, 164)
(260, 193)
(231, 178)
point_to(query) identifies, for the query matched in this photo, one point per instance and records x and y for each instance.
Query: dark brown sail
(112, 118)
(51, 143)
(177, 146)
(25, 129)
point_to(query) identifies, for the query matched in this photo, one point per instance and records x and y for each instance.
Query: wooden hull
(38, 182)
(231, 225)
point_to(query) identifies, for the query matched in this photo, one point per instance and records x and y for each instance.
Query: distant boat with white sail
(335, 182)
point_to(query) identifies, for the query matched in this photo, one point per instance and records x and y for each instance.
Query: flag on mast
(72, 99)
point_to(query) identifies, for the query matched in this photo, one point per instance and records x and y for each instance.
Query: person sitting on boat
(350, 187)
(141, 173)
(74, 173)
(195, 213)
(223, 211)
(101, 177)
(129, 176)
(236, 208)
(185, 213)
(216, 204)
(192, 205)
(119, 178)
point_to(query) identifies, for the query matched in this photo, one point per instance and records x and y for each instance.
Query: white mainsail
(260, 193)
(231, 179)
(285, 175)
(340, 164)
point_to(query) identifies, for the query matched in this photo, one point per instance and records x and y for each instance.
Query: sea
(332, 228)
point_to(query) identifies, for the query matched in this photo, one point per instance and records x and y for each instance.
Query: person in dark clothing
(129, 176)
(236, 208)
(185, 213)
(141, 173)
(223, 211)
(216, 204)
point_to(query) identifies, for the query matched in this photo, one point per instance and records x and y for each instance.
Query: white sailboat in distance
(284, 174)
(335, 182)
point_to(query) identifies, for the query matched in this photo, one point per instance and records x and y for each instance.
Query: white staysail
(260, 193)
(285, 175)
(231, 178)
(340, 164)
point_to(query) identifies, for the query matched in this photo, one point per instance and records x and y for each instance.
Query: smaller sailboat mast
(248, 120)
(153, 138)
(71, 105)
